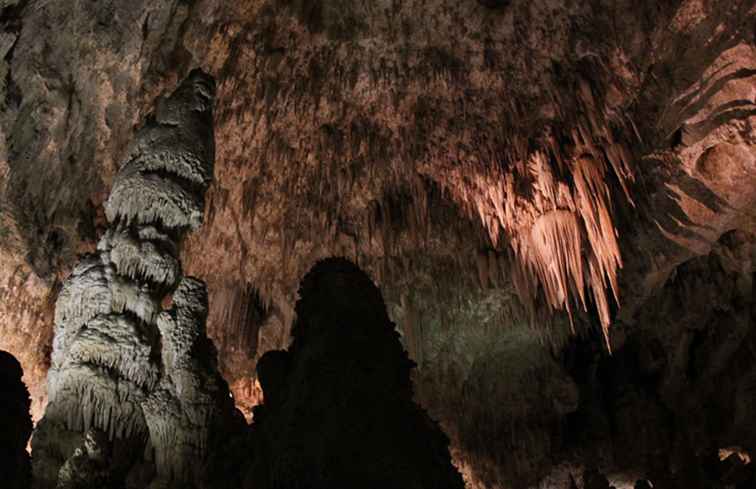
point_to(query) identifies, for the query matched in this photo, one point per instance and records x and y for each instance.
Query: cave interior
(418, 244)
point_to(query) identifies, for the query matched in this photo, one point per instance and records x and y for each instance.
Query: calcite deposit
(134, 381)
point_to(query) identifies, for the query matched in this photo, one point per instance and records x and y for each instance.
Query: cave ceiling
(511, 174)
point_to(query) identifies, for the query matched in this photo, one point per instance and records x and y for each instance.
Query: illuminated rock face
(338, 408)
(137, 384)
(15, 424)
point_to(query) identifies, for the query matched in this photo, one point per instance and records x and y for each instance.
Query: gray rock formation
(89, 466)
(135, 395)
(15, 424)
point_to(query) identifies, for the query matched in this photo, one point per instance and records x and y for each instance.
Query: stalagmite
(339, 409)
(135, 257)
(135, 394)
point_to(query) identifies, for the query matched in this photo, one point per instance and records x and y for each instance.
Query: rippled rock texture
(136, 399)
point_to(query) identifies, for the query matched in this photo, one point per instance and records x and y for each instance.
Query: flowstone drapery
(136, 399)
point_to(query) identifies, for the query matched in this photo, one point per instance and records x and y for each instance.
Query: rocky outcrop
(338, 408)
(135, 394)
(669, 405)
(15, 424)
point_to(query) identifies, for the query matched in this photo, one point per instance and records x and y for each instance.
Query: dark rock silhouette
(495, 4)
(338, 409)
(15, 424)
(593, 479)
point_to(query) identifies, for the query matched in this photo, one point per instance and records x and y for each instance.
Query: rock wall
(663, 406)
(668, 405)
(133, 381)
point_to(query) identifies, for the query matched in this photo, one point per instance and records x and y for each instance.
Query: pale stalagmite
(137, 384)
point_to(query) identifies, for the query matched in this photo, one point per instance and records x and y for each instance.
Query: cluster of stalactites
(121, 365)
(560, 229)
(563, 237)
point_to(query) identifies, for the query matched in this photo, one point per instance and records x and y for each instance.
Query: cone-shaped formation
(15, 424)
(135, 395)
(338, 408)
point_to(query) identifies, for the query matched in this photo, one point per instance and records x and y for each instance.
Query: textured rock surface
(135, 382)
(15, 424)
(399, 134)
(664, 407)
(89, 466)
(338, 408)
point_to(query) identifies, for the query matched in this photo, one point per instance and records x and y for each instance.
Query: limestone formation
(15, 424)
(338, 408)
(88, 467)
(135, 395)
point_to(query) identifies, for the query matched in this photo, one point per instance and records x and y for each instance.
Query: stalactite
(554, 208)
(551, 253)
(242, 310)
(593, 201)
(483, 271)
